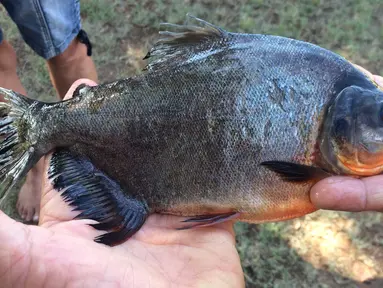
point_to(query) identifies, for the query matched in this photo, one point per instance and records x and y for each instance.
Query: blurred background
(324, 249)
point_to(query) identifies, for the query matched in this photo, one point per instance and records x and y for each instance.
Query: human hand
(348, 193)
(60, 252)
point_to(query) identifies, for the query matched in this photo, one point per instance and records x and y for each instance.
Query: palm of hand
(61, 253)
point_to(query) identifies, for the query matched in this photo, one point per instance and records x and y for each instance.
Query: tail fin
(17, 156)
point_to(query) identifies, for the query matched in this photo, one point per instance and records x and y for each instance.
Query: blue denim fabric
(47, 26)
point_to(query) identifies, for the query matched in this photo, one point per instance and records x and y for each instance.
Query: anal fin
(208, 220)
(97, 197)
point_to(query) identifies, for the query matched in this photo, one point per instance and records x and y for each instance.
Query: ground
(324, 249)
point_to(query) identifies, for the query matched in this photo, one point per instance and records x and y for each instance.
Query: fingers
(12, 236)
(349, 194)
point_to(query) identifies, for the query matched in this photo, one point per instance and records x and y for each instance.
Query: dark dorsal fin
(180, 40)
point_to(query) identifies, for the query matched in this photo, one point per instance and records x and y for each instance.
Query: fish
(218, 126)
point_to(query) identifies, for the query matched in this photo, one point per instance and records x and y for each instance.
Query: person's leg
(71, 65)
(51, 28)
(8, 75)
(28, 204)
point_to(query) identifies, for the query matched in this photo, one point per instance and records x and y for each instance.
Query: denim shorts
(47, 26)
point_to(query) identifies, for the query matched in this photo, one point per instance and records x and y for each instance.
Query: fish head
(353, 132)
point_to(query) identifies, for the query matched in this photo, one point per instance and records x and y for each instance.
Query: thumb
(76, 84)
(349, 194)
(12, 233)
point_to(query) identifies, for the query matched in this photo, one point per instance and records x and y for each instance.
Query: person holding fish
(53, 30)
(148, 196)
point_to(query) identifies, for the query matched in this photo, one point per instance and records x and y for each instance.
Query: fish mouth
(363, 163)
(360, 160)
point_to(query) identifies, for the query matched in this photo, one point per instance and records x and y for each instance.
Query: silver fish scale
(189, 138)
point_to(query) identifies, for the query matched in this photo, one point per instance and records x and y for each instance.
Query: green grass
(289, 254)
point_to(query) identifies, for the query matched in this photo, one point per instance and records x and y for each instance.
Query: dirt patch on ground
(130, 52)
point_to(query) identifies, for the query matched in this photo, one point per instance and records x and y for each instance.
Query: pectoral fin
(296, 172)
(99, 198)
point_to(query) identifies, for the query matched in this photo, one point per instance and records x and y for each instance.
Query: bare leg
(28, 204)
(70, 66)
(8, 76)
